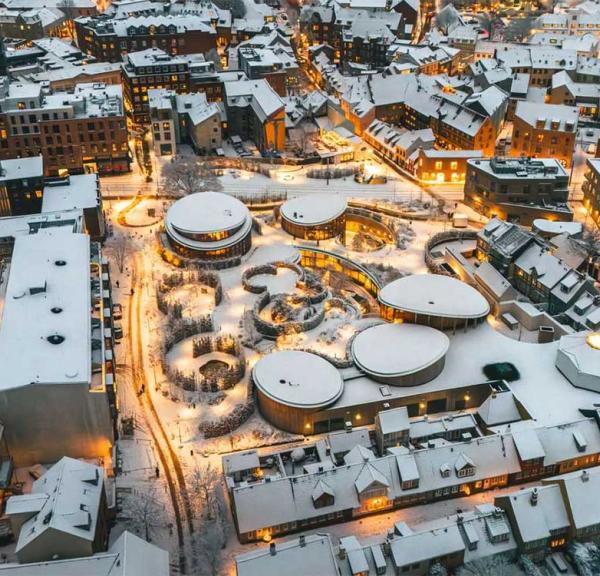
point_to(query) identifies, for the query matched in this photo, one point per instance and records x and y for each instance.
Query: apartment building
(545, 519)
(583, 95)
(80, 131)
(154, 68)
(44, 521)
(32, 24)
(544, 131)
(518, 189)
(21, 186)
(439, 166)
(591, 189)
(76, 8)
(256, 112)
(179, 118)
(57, 351)
(109, 40)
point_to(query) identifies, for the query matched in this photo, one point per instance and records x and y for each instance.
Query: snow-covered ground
(544, 391)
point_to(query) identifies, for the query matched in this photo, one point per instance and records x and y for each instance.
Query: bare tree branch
(186, 174)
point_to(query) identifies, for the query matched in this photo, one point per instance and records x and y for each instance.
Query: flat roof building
(57, 385)
(74, 131)
(209, 226)
(400, 354)
(438, 301)
(518, 189)
(314, 216)
(292, 384)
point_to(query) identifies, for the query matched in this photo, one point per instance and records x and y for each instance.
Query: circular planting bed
(206, 363)
(189, 294)
(285, 314)
(263, 278)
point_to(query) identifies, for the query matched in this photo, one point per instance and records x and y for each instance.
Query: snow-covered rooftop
(435, 295)
(579, 360)
(397, 349)
(128, 556)
(17, 168)
(313, 555)
(313, 209)
(80, 191)
(206, 212)
(553, 227)
(49, 270)
(299, 379)
(73, 492)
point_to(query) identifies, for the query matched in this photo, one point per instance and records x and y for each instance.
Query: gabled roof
(463, 461)
(321, 489)
(359, 454)
(73, 491)
(368, 476)
(528, 445)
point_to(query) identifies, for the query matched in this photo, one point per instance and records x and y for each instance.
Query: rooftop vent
(60, 262)
(534, 497)
(56, 310)
(55, 339)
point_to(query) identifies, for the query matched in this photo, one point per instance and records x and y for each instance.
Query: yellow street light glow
(593, 340)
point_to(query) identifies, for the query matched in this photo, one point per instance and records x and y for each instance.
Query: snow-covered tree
(437, 569)
(529, 567)
(186, 174)
(209, 544)
(145, 512)
(586, 558)
(490, 566)
(203, 484)
(118, 251)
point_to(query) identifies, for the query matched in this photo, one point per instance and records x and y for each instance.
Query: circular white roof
(298, 379)
(435, 295)
(397, 349)
(207, 212)
(313, 209)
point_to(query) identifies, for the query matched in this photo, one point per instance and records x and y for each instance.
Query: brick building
(82, 131)
(155, 69)
(108, 40)
(544, 131)
(518, 190)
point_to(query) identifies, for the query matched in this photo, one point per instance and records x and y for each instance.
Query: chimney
(302, 541)
(534, 497)
(272, 549)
